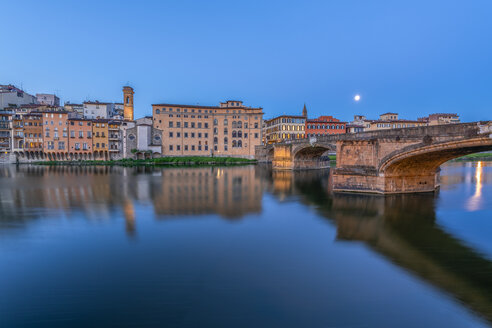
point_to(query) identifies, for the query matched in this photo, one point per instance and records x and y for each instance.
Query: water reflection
(401, 228)
(106, 192)
(475, 201)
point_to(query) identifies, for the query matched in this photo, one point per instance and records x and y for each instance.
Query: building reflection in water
(30, 192)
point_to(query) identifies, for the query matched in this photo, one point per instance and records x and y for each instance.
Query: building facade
(80, 141)
(55, 136)
(230, 129)
(48, 99)
(284, 128)
(98, 110)
(33, 132)
(11, 96)
(324, 125)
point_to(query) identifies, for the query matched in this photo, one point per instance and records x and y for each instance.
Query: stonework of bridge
(385, 161)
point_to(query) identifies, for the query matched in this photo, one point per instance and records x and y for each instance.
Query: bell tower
(128, 103)
(304, 111)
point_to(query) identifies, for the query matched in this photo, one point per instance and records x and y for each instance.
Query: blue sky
(412, 57)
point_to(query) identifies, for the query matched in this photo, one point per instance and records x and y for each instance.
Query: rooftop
(205, 107)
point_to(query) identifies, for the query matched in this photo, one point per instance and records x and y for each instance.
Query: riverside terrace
(386, 161)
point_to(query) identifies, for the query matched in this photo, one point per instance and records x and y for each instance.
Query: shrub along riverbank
(186, 161)
(475, 157)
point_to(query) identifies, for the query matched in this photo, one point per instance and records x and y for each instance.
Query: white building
(98, 110)
(48, 99)
(11, 96)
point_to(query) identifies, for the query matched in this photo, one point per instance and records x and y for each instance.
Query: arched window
(225, 131)
(215, 121)
(127, 99)
(239, 134)
(157, 111)
(233, 143)
(225, 121)
(234, 134)
(216, 140)
(239, 143)
(239, 124)
(234, 124)
(225, 140)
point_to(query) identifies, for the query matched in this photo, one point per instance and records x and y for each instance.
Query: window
(199, 134)
(186, 147)
(89, 134)
(239, 143)
(170, 124)
(178, 134)
(81, 134)
(206, 135)
(61, 145)
(170, 134)
(72, 134)
(216, 140)
(186, 134)
(206, 125)
(192, 134)
(199, 125)
(178, 147)
(206, 147)
(239, 134)
(256, 135)
(157, 111)
(234, 134)
(225, 140)
(178, 124)
(256, 125)
(171, 147)
(84, 146)
(192, 147)
(77, 146)
(185, 124)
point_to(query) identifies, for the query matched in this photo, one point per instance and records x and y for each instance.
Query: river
(240, 247)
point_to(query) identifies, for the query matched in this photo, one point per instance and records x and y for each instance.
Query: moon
(357, 97)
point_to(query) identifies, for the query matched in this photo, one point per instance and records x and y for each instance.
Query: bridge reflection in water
(402, 228)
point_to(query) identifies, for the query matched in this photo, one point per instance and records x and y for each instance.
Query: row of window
(323, 126)
(185, 110)
(61, 145)
(235, 144)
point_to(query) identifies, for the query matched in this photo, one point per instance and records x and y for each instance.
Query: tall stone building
(128, 103)
(230, 129)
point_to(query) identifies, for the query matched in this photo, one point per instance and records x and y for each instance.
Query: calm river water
(240, 247)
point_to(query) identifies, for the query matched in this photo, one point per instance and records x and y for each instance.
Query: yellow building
(285, 127)
(230, 129)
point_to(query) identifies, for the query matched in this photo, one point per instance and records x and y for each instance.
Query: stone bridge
(385, 161)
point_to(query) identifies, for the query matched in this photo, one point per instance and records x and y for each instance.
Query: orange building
(324, 125)
(55, 126)
(80, 141)
(33, 132)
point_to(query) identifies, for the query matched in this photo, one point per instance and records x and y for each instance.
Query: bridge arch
(310, 156)
(416, 167)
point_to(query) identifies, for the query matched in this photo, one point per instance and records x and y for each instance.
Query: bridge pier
(346, 180)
